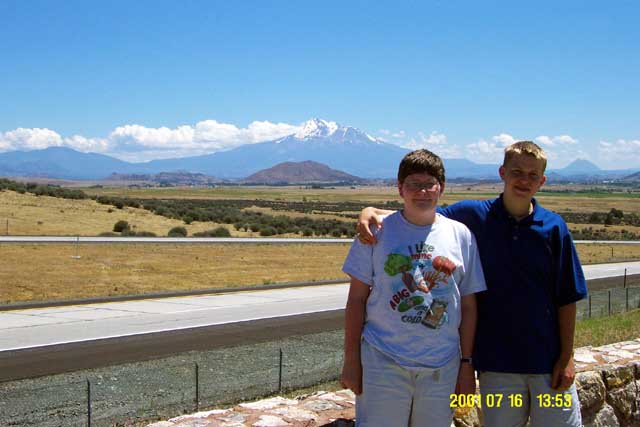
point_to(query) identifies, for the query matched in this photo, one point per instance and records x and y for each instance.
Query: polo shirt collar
(534, 218)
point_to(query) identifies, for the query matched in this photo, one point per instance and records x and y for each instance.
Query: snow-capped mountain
(339, 147)
(316, 128)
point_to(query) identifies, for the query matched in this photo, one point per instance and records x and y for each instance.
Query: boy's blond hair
(525, 147)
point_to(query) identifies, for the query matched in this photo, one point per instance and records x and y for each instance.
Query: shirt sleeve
(570, 284)
(473, 280)
(359, 262)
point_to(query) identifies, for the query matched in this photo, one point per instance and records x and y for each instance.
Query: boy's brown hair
(420, 161)
(525, 147)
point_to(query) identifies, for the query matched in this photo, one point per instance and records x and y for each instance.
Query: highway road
(55, 337)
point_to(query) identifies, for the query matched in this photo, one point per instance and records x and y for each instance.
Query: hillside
(166, 178)
(30, 215)
(306, 172)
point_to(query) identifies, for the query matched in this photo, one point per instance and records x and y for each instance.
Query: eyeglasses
(417, 185)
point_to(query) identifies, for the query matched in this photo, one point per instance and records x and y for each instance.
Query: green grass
(607, 330)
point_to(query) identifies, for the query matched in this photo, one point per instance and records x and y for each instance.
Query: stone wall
(608, 382)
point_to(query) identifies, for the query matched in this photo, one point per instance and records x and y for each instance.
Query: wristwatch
(468, 360)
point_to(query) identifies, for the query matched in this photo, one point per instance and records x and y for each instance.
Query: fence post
(88, 403)
(589, 306)
(197, 374)
(609, 298)
(626, 299)
(624, 284)
(280, 372)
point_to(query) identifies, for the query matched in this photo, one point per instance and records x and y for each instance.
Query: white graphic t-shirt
(417, 276)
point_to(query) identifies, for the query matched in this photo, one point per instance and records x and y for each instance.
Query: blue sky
(152, 79)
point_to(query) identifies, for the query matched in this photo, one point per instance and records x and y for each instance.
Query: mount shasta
(342, 148)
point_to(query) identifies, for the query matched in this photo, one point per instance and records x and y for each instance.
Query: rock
(348, 393)
(162, 424)
(331, 396)
(270, 421)
(197, 423)
(295, 413)
(584, 355)
(618, 376)
(605, 417)
(204, 414)
(322, 405)
(591, 390)
(269, 403)
(630, 346)
(234, 418)
(470, 419)
(623, 400)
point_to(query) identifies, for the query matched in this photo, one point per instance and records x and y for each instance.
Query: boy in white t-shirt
(411, 311)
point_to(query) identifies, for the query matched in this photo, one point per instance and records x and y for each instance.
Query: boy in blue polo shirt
(411, 312)
(526, 319)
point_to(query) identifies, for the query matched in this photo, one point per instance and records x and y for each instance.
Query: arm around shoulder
(370, 216)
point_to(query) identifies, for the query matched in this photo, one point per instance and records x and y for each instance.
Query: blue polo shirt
(531, 268)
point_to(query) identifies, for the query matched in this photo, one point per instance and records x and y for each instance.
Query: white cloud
(137, 137)
(484, 151)
(504, 139)
(552, 141)
(426, 141)
(29, 139)
(397, 137)
(544, 140)
(620, 152)
(80, 143)
(135, 142)
(205, 137)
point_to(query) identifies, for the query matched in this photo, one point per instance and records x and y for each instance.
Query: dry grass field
(48, 272)
(29, 215)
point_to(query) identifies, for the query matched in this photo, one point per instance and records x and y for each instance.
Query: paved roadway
(123, 331)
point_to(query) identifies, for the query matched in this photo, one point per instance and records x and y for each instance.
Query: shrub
(121, 226)
(268, 231)
(107, 234)
(216, 232)
(177, 232)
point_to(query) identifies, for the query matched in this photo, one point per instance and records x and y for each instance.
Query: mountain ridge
(342, 148)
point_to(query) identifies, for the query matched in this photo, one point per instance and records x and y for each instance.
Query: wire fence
(609, 301)
(138, 393)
